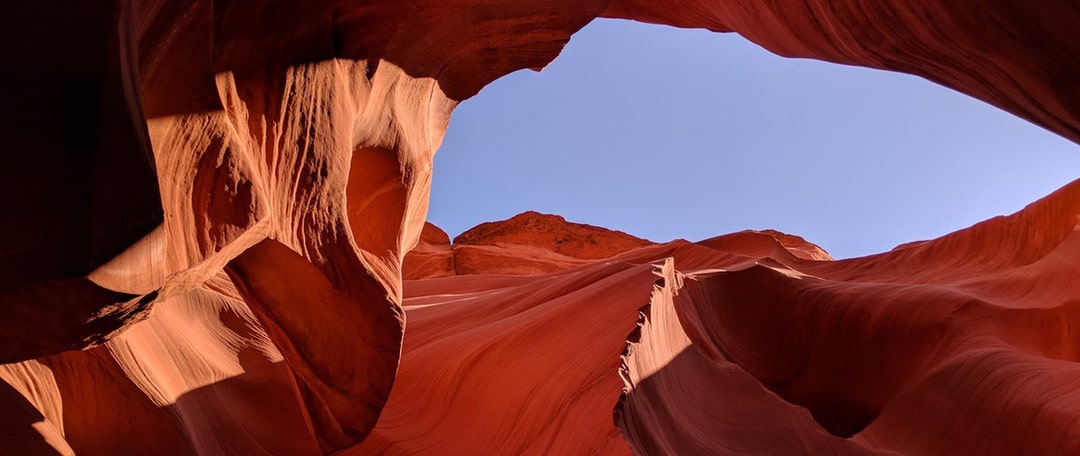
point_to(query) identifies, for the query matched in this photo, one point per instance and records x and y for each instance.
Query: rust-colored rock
(210, 203)
(525, 244)
(554, 233)
(432, 257)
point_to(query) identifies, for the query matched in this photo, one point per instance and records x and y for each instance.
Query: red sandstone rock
(526, 244)
(554, 233)
(432, 257)
(214, 199)
(753, 346)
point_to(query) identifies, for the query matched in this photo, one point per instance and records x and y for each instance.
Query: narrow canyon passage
(236, 257)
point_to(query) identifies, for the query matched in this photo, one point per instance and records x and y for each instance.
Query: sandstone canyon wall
(210, 203)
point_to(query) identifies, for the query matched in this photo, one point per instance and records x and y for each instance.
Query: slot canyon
(215, 243)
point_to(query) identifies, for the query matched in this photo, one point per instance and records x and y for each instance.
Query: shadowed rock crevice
(25, 427)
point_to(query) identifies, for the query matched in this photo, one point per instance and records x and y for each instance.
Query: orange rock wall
(210, 203)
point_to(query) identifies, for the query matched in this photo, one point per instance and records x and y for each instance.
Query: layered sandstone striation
(210, 205)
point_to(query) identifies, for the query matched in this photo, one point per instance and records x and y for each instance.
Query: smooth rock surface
(210, 203)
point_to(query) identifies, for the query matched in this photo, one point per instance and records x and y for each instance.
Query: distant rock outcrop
(528, 243)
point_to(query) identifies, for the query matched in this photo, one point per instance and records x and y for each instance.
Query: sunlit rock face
(211, 205)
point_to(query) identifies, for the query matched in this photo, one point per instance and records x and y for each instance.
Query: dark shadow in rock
(17, 419)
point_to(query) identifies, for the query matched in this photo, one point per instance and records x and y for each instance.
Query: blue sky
(668, 133)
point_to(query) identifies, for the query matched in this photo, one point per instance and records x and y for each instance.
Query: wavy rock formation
(939, 347)
(211, 203)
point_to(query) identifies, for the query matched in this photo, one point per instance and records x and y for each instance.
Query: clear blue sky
(667, 133)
